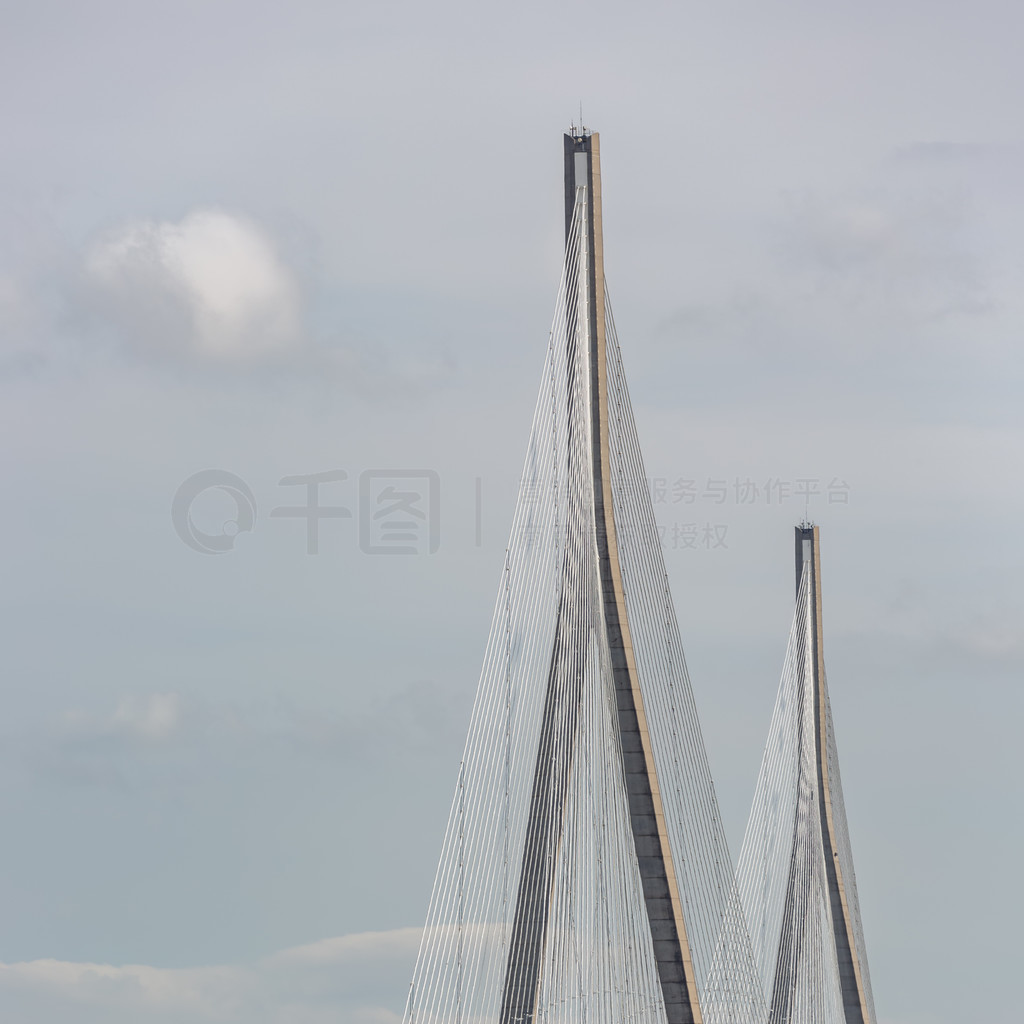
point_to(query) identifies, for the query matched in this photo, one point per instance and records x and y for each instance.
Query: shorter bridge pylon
(796, 866)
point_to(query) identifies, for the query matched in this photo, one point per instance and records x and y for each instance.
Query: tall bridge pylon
(796, 865)
(584, 875)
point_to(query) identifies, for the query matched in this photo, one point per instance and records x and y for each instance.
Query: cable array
(723, 959)
(844, 853)
(538, 912)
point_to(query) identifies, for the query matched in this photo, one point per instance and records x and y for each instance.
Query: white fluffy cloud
(210, 286)
(351, 979)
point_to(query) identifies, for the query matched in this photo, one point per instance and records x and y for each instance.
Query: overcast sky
(279, 240)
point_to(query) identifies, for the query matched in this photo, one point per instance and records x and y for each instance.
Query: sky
(282, 241)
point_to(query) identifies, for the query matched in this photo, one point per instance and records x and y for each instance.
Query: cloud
(877, 291)
(212, 290)
(349, 979)
(152, 716)
(209, 287)
(207, 992)
(887, 255)
(12, 312)
(364, 947)
(944, 152)
(19, 352)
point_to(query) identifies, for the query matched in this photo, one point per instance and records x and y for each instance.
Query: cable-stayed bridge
(585, 875)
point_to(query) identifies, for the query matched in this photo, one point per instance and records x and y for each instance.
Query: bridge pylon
(585, 874)
(796, 864)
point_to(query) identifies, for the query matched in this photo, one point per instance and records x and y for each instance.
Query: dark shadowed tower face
(585, 873)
